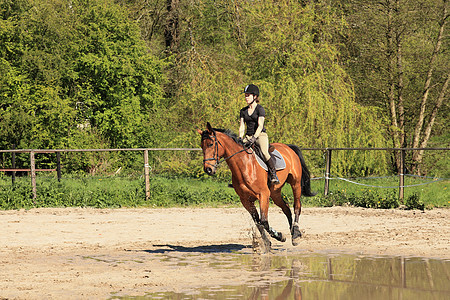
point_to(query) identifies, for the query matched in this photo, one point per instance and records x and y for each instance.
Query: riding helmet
(251, 89)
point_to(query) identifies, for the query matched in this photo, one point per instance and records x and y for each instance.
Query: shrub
(367, 200)
(413, 202)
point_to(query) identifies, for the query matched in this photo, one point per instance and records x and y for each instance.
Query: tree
(90, 58)
(442, 21)
(399, 61)
(285, 47)
(74, 67)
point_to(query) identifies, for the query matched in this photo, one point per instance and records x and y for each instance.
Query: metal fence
(328, 154)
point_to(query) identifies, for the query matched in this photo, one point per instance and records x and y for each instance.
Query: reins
(216, 153)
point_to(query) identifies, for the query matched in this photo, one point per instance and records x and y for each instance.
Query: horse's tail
(306, 177)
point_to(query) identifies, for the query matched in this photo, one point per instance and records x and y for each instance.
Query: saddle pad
(280, 164)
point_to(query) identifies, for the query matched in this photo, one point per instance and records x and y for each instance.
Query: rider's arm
(242, 128)
(260, 127)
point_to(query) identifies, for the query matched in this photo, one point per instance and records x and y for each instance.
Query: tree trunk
(427, 132)
(420, 121)
(401, 108)
(171, 27)
(391, 58)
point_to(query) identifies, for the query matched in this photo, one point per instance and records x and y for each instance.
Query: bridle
(216, 157)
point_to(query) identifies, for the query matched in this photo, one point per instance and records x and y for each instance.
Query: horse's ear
(209, 127)
(199, 131)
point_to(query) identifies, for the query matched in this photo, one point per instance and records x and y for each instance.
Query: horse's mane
(227, 132)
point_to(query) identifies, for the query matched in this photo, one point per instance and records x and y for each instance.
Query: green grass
(75, 192)
(114, 192)
(434, 194)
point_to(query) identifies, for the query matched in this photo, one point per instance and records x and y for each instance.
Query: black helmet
(251, 89)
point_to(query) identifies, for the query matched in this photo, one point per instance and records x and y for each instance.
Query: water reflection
(327, 276)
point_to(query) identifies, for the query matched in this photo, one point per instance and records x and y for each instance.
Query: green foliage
(113, 191)
(190, 165)
(69, 70)
(17, 196)
(291, 55)
(83, 192)
(308, 94)
(116, 82)
(387, 51)
(146, 73)
(369, 199)
(187, 192)
(416, 196)
(435, 163)
(413, 202)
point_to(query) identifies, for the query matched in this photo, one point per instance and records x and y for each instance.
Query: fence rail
(328, 152)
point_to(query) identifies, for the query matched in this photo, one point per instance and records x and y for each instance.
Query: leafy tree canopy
(140, 73)
(72, 67)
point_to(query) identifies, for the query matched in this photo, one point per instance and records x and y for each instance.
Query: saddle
(280, 164)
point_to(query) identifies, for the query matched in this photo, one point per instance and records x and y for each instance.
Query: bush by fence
(188, 165)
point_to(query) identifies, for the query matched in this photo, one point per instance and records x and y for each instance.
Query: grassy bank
(114, 192)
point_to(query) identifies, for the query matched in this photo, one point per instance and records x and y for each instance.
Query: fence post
(401, 175)
(327, 172)
(13, 161)
(58, 165)
(146, 175)
(33, 174)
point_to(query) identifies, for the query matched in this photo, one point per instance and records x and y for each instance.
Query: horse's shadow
(222, 248)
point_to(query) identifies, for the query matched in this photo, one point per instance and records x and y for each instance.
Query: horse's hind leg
(295, 229)
(278, 200)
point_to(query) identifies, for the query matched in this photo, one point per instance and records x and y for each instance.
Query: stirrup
(274, 179)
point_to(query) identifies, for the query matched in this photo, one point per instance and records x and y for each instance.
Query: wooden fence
(328, 153)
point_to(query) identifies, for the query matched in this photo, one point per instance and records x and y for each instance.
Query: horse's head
(211, 150)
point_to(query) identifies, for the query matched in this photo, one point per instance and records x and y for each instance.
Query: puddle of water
(323, 276)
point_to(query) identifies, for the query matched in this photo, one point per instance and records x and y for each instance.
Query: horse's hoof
(296, 234)
(296, 240)
(282, 238)
(260, 242)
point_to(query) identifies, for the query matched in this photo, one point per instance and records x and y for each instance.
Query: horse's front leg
(264, 209)
(273, 233)
(260, 242)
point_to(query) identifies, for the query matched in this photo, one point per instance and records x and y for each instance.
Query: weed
(413, 202)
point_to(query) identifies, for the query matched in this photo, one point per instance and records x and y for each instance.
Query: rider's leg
(272, 171)
(263, 142)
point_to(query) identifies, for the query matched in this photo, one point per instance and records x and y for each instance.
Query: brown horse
(250, 180)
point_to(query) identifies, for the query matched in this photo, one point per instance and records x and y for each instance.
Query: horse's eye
(210, 145)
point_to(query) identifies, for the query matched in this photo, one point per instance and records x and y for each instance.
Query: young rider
(252, 116)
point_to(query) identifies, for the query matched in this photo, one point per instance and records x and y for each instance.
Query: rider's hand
(249, 141)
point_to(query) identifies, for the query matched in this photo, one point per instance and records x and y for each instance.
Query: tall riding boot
(272, 171)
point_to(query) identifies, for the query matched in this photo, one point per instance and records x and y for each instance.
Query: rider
(253, 116)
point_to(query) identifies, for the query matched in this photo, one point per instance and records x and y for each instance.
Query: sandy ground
(75, 253)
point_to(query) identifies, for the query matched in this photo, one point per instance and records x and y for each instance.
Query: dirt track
(90, 253)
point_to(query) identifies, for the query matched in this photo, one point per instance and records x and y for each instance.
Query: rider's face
(249, 98)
